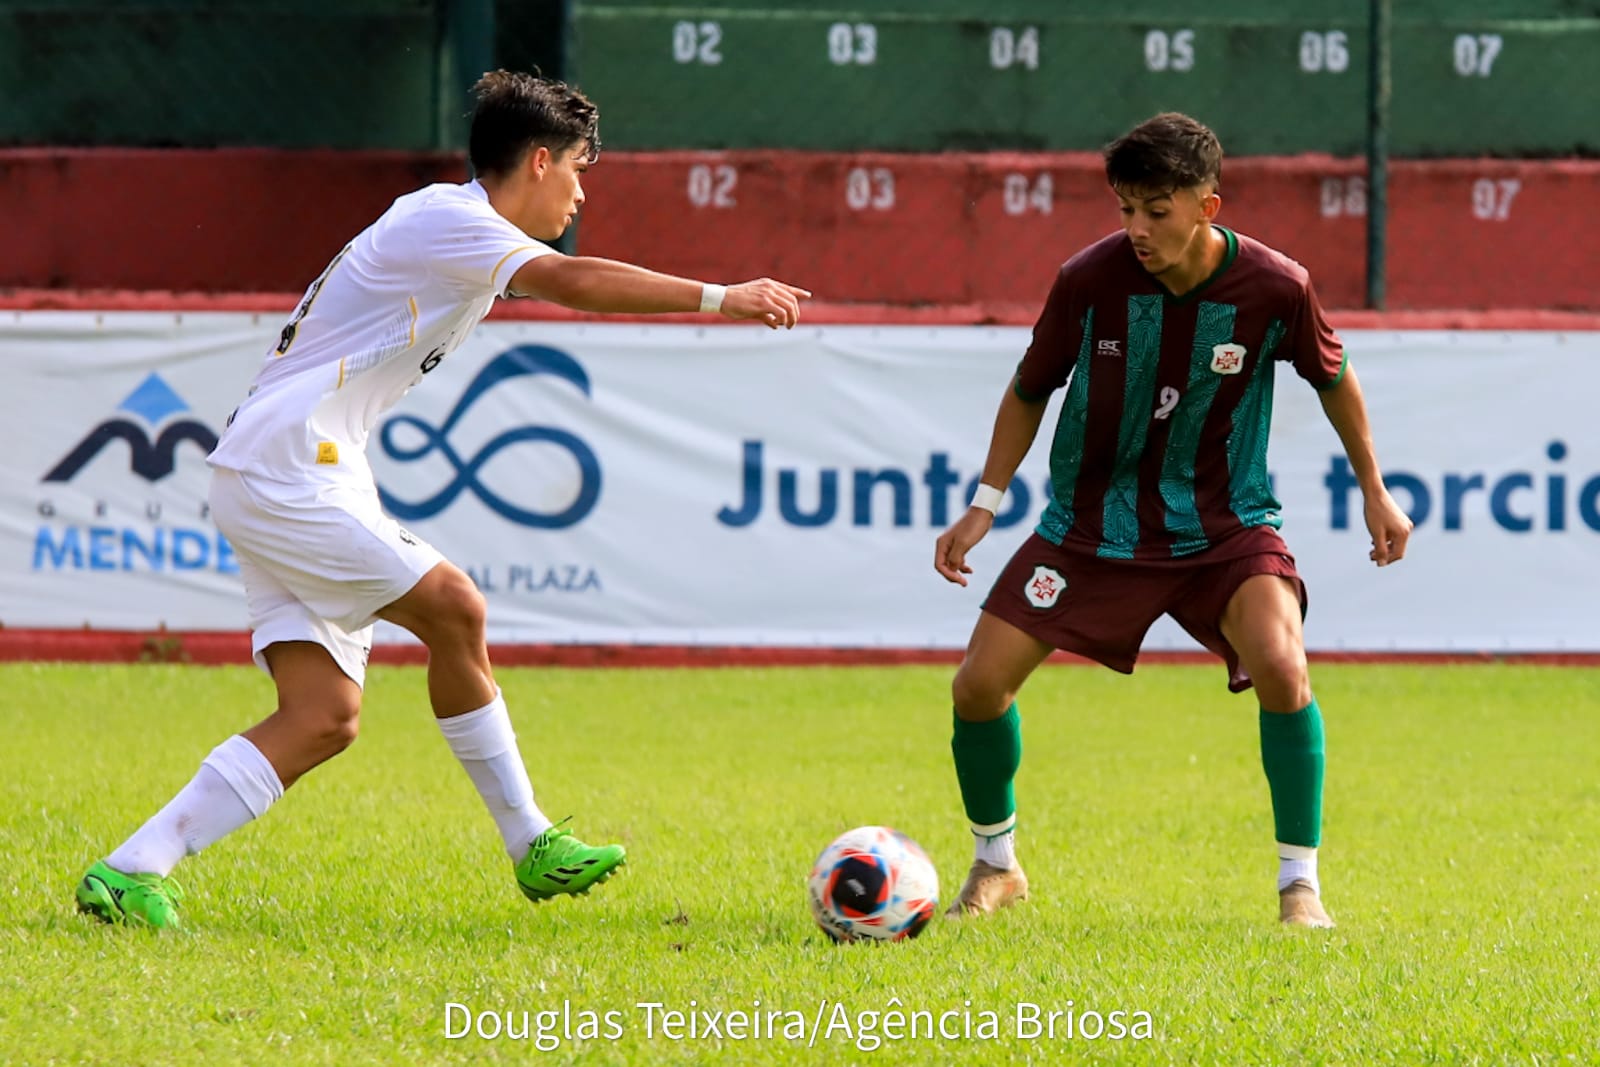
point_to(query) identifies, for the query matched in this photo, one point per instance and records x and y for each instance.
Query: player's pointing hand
(772, 302)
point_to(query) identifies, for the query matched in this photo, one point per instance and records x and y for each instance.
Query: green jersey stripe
(1213, 326)
(1120, 524)
(1249, 490)
(1066, 452)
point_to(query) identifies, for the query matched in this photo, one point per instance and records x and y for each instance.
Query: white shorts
(318, 562)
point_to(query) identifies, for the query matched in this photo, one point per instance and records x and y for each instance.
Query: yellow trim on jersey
(411, 302)
(494, 273)
(340, 384)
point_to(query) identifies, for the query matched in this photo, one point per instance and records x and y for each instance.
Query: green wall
(1470, 77)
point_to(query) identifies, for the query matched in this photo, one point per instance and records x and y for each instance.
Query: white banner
(724, 485)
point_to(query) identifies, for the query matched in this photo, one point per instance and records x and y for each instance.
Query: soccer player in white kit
(292, 491)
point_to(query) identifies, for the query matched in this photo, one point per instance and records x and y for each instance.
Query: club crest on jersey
(1227, 359)
(1045, 587)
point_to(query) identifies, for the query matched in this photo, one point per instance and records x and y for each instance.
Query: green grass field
(1461, 857)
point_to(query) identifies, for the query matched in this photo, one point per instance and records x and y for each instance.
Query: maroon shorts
(1101, 608)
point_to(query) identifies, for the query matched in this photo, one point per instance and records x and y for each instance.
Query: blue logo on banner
(153, 403)
(1515, 500)
(104, 544)
(524, 360)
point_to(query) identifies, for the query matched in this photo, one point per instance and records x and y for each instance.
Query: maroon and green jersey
(1161, 448)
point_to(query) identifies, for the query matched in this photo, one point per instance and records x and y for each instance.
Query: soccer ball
(873, 884)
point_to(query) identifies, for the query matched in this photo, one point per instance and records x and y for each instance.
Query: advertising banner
(669, 484)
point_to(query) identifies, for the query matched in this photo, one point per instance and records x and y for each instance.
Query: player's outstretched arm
(1016, 424)
(1389, 526)
(589, 283)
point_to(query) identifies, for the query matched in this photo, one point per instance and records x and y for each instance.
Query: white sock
(1297, 862)
(996, 844)
(235, 784)
(487, 747)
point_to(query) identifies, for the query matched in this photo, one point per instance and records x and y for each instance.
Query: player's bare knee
(456, 613)
(977, 698)
(327, 724)
(339, 720)
(466, 608)
(1282, 681)
(340, 730)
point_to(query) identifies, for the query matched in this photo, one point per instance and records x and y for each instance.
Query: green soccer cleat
(132, 899)
(559, 863)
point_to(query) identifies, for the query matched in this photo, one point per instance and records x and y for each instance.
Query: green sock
(1292, 755)
(987, 756)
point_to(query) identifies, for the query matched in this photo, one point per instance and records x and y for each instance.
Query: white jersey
(399, 298)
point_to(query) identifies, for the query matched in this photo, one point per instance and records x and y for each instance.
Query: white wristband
(988, 498)
(711, 296)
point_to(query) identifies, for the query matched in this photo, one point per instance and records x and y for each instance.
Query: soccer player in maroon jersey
(1166, 337)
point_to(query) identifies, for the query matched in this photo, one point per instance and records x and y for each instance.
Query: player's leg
(987, 748)
(1045, 598)
(318, 713)
(319, 703)
(347, 562)
(447, 613)
(445, 610)
(987, 740)
(1262, 623)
